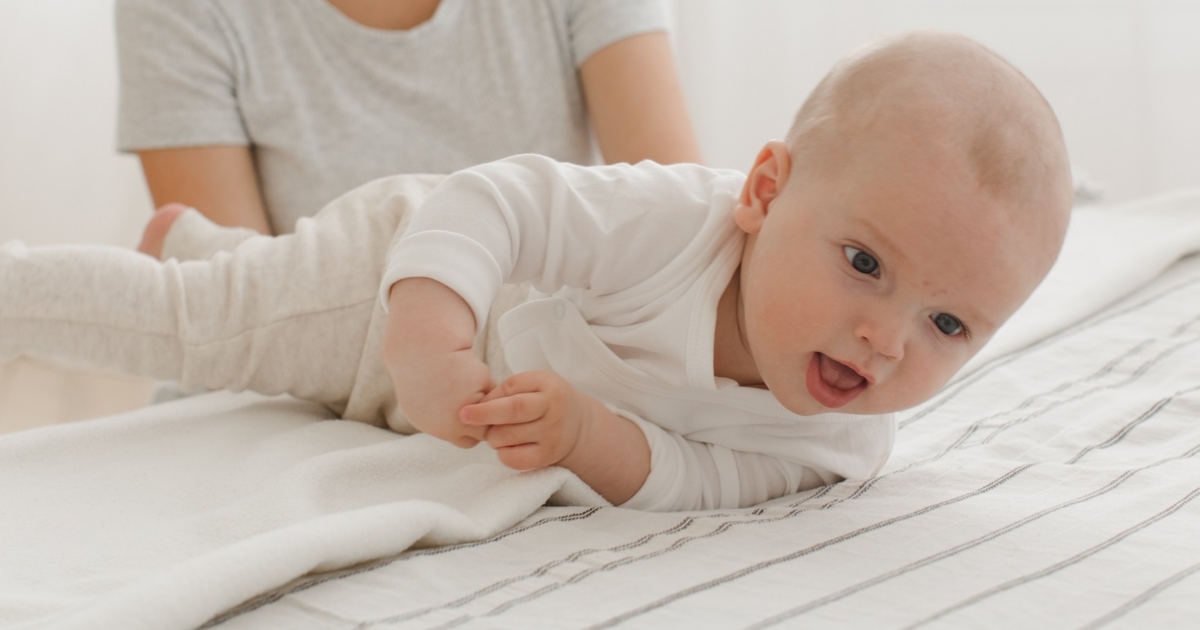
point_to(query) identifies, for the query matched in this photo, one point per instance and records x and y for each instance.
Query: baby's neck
(731, 356)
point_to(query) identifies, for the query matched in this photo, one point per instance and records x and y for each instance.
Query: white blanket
(166, 517)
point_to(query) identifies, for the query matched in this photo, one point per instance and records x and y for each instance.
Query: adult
(259, 113)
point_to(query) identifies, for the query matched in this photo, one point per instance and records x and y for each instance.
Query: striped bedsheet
(1057, 486)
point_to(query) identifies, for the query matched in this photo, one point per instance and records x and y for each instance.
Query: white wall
(61, 180)
(1124, 76)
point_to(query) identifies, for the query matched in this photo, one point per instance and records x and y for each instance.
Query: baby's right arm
(428, 353)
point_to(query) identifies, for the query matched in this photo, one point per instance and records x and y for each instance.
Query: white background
(1123, 75)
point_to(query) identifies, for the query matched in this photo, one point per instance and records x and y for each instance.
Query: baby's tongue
(839, 376)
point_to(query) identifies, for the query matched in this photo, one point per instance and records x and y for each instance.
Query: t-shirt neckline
(346, 25)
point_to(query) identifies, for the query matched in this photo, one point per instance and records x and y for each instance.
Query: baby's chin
(864, 405)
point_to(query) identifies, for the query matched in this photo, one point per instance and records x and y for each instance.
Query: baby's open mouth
(832, 383)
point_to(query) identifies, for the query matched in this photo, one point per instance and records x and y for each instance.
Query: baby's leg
(276, 315)
(194, 238)
(102, 306)
(235, 322)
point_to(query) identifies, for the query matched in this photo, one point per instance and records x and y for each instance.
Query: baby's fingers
(514, 409)
(522, 383)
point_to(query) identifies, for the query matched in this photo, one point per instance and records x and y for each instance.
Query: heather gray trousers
(229, 309)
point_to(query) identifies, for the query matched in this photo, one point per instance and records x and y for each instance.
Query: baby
(679, 337)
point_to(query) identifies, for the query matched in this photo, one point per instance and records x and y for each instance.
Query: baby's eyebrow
(882, 245)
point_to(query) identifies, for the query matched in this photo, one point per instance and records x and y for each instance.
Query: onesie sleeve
(177, 76)
(687, 475)
(594, 24)
(556, 225)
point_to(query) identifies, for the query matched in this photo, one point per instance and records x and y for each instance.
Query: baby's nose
(884, 335)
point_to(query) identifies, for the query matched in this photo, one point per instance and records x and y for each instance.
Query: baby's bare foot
(157, 228)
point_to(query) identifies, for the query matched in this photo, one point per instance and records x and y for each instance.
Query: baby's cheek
(918, 385)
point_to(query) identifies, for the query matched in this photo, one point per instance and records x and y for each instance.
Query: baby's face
(867, 285)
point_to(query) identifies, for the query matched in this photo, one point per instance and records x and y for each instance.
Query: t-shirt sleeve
(594, 24)
(177, 76)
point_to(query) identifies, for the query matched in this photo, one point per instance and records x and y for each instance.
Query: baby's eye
(947, 323)
(861, 261)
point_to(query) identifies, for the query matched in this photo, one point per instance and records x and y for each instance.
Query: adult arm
(220, 181)
(179, 109)
(636, 103)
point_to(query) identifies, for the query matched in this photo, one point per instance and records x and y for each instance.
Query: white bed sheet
(1057, 486)
(1052, 486)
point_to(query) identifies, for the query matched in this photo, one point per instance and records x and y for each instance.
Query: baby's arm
(533, 419)
(538, 419)
(530, 219)
(428, 354)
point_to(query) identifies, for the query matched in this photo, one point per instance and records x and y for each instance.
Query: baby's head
(921, 195)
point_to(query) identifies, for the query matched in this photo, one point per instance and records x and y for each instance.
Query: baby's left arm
(538, 419)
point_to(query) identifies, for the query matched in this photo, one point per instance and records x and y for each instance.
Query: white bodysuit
(631, 262)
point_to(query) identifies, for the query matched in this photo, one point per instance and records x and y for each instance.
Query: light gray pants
(296, 314)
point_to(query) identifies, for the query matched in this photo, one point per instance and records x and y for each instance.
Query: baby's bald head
(955, 97)
(921, 196)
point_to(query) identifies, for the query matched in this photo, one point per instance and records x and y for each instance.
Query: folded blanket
(165, 517)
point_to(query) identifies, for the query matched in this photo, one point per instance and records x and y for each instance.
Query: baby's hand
(433, 388)
(427, 352)
(533, 419)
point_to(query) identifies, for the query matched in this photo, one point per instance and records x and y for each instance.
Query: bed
(1054, 483)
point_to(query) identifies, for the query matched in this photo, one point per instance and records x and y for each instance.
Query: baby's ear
(764, 183)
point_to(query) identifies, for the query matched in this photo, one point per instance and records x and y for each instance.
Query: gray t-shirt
(329, 104)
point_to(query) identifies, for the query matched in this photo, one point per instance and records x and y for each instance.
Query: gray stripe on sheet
(978, 424)
(685, 523)
(751, 569)
(608, 623)
(1125, 430)
(538, 572)
(955, 550)
(1058, 566)
(1134, 377)
(1146, 596)
(1108, 367)
(958, 388)
(276, 595)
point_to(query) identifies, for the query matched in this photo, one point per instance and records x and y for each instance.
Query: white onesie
(630, 261)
